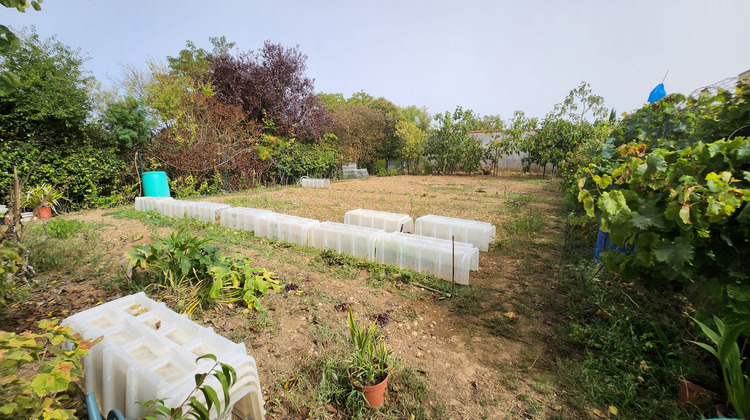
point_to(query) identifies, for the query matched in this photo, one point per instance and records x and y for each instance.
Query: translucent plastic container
(480, 234)
(241, 218)
(430, 255)
(148, 203)
(285, 228)
(172, 208)
(315, 182)
(149, 352)
(390, 222)
(357, 241)
(205, 211)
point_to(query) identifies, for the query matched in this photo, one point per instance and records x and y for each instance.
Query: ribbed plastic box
(241, 218)
(205, 211)
(480, 234)
(357, 241)
(315, 182)
(148, 203)
(390, 222)
(285, 228)
(430, 255)
(149, 352)
(171, 208)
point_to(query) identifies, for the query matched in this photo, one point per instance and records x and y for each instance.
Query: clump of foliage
(451, 148)
(183, 263)
(56, 369)
(680, 199)
(370, 358)
(50, 110)
(736, 378)
(318, 160)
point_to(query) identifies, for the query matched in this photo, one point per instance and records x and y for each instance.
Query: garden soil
(472, 371)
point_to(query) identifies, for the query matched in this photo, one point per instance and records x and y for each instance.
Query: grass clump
(624, 346)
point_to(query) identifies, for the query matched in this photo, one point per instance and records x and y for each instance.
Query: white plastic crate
(431, 255)
(148, 203)
(241, 218)
(480, 234)
(149, 352)
(285, 228)
(390, 222)
(205, 211)
(315, 182)
(357, 241)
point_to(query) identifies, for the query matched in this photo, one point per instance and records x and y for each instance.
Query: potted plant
(42, 199)
(368, 367)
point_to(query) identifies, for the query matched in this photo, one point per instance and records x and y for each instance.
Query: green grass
(50, 247)
(622, 345)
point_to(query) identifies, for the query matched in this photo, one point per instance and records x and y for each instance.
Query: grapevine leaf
(685, 214)
(647, 217)
(656, 163)
(674, 253)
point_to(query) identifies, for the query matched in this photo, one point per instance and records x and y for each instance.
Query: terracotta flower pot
(375, 394)
(690, 393)
(44, 212)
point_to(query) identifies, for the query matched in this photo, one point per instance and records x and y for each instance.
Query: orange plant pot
(375, 394)
(44, 212)
(690, 393)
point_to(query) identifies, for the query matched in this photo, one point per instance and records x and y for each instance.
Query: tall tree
(271, 83)
(51, 105)
(414, 140)
(128, 123)
(451, 147)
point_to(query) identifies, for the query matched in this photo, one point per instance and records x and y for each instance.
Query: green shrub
(318, 160)
(83, 173)
(55, 369)
(198, 274)
(65, 229)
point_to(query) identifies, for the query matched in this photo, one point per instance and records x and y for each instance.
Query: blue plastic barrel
(155, 184)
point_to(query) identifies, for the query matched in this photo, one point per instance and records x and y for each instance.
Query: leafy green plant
(188, 265)
(56, 367)
(65, 229)
(196, 409)
(673, 182)
(44, 194)
(370, 358)
(235, 279)
(736, 379)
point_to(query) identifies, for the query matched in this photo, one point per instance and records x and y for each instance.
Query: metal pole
(453, 266)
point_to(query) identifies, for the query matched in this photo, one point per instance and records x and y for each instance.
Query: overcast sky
(490, 56)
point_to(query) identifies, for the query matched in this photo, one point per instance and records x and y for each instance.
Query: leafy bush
(83, 173)
(65, 229)
(56, 367)
(321, 160)
(198, 273)
(674, 182)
